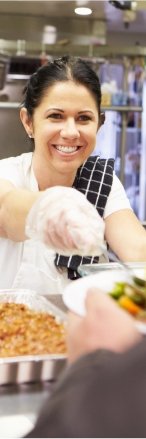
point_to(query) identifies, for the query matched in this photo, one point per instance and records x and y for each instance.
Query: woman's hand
(66, 222)
(105, 326)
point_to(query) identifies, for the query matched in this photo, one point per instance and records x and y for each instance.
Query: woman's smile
(66, 149)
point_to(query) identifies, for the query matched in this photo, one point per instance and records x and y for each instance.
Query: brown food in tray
(27, 332)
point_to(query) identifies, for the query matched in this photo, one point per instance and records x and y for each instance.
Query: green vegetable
(118, 290)
(138, 281)
(137, 299)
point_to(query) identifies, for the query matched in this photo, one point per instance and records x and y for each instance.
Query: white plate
(75, 293)
(140, 272)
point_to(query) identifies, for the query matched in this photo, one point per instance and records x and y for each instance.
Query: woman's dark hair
(62, 69)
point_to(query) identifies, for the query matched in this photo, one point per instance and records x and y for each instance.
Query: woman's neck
(48, 178)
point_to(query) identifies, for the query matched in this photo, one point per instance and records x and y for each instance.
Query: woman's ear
(26, 121)
(101, 119)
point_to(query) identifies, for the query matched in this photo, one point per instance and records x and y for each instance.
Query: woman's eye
(84, 118)
(55, 116)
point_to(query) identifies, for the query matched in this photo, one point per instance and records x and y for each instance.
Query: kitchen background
(113, 38)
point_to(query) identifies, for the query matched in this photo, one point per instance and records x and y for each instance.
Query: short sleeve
(8, 171)
(117, 199)
(18, 171)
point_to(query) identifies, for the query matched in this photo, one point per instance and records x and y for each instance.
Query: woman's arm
(123, 231)
(126, 236)
(15, 205)
(61, 217)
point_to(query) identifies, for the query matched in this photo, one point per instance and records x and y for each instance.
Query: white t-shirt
(29, 264)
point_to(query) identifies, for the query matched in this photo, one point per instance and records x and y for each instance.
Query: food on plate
(130, 297)
(24, 331)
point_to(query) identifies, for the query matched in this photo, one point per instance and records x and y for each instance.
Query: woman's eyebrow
(86, 111)
(62, 111)
(56, 109)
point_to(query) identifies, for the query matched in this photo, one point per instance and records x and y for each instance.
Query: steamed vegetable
(126, 303)
(130, 297)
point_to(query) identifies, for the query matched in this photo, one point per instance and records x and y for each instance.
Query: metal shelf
(107, 108)
(10, 105)
(35, 49)
(122, 108)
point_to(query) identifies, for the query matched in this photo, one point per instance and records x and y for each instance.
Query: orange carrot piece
(126, 303)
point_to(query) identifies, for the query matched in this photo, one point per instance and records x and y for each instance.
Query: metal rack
(34, 49)
(123, 110)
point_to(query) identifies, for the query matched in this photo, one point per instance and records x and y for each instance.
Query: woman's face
(65, 126)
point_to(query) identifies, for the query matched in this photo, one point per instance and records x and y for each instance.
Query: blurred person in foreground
(58, 204)
(102, 393)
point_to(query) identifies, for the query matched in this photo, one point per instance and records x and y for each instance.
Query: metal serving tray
(31, 368)
(87, 269)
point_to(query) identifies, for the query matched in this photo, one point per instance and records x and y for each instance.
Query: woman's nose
(69, 130)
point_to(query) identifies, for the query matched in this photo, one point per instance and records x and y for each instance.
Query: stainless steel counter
(20, 406)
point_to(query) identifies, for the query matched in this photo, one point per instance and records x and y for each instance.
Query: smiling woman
(64, 133)
(58, 204)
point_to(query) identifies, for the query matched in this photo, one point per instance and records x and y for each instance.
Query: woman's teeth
(67, 149)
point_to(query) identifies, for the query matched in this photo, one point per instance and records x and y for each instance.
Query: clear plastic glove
(66, 221)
